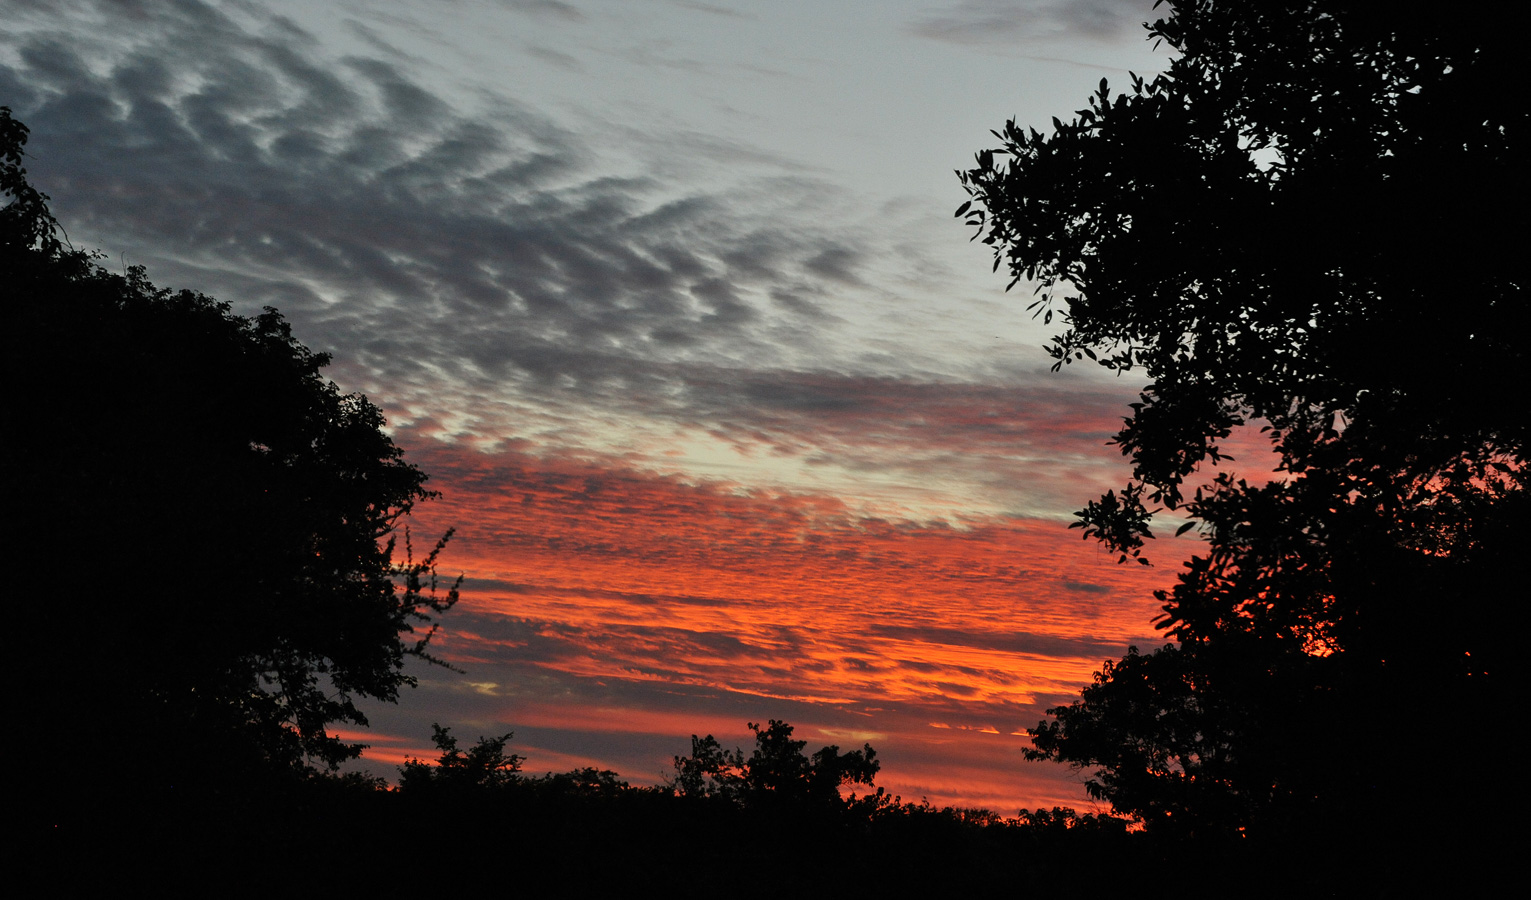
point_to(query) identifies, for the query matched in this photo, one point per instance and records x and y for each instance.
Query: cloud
(487, 272)
(1033, 22)
(620, 611)
(492, 244)
(552, 9)
(714, 9)
(601, 573)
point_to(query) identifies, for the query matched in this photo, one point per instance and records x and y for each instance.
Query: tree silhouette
(483, 767)
(208, 525)
(1293, 227)
(778, 773)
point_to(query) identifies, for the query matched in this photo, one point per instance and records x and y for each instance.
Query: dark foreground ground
(339, 839)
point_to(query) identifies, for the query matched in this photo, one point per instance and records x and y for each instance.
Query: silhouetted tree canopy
(1298, 226)
(753, 825)
(777, 773)
(206, 524)
(483, 767)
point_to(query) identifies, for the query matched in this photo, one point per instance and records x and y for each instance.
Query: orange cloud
(658, 607)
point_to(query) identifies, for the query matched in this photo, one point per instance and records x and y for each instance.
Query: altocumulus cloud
(445, 251)
(486, 273)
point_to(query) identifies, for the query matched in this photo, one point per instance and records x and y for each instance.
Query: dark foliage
(750, 826)
(778, 773)
(589, 833)
(483, 767)
(1296, 226)
(207, 525)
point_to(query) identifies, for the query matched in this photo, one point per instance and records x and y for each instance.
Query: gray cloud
(552, 9)
(488, 274)
(1012, 22)
(714, 9)
(424, 242)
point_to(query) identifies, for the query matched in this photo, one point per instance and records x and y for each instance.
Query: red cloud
(646, 585)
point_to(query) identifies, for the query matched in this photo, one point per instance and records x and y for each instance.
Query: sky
(732, 419)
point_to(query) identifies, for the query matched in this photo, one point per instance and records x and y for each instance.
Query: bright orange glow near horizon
(937, 644)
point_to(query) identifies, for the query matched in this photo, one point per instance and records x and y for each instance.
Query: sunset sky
(732, 419)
